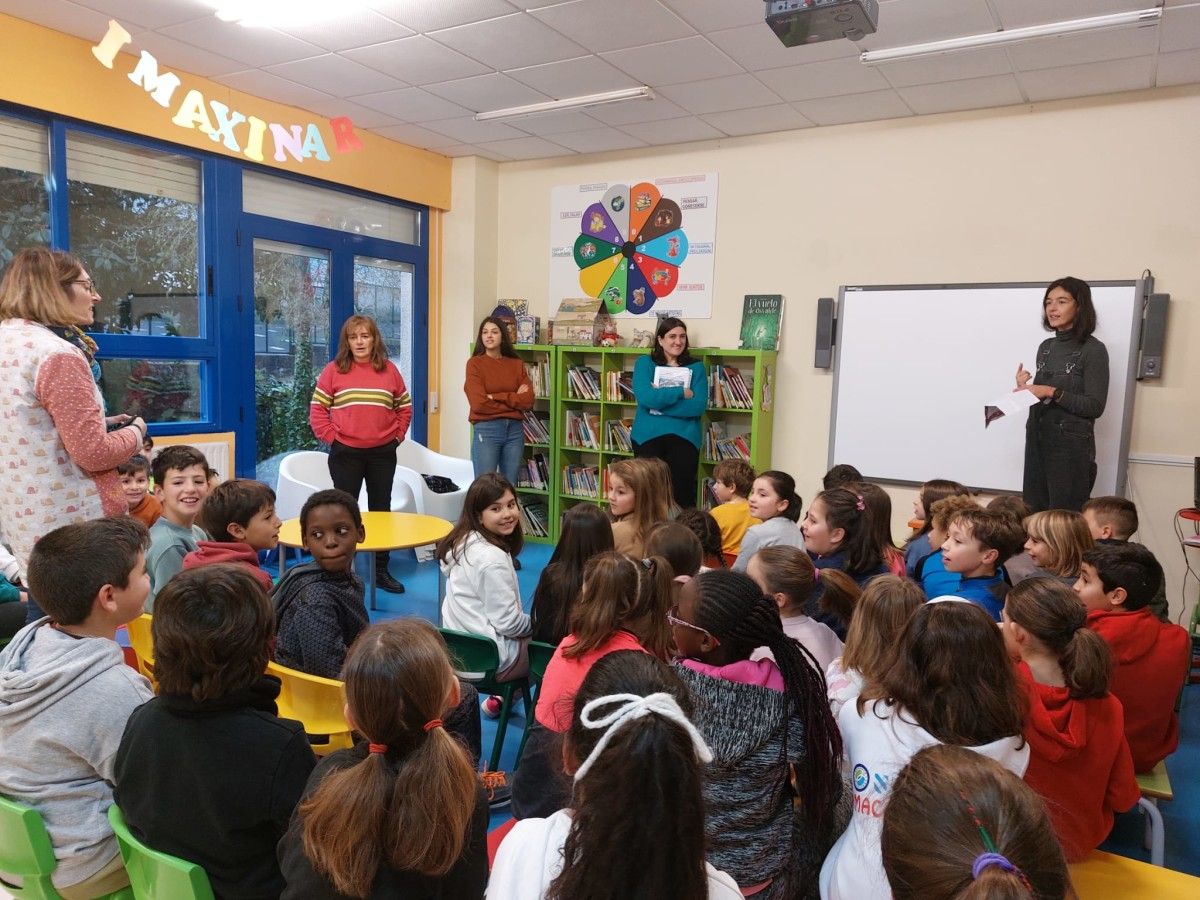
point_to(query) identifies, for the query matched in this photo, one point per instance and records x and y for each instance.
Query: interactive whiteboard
(915, 366)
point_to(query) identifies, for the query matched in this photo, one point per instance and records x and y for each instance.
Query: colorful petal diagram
(630, 248)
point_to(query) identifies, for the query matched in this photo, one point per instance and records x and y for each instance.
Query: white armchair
(303, 473)
(414, 460)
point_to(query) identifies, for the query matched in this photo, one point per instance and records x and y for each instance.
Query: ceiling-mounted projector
(799, 22)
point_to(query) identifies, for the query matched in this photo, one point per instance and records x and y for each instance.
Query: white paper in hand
(1006, 405)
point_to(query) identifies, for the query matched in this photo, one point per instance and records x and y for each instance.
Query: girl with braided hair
(1079, 760)
(635, 826)
(769, 727)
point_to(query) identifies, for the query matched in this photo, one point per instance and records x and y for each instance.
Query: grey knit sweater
(750, 821)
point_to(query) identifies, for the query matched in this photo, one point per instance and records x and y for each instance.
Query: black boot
(383, 578)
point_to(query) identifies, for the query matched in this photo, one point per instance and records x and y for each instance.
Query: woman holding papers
(1070, 382)
(671, 390)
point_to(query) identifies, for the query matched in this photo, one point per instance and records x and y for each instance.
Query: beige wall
(1101, 188)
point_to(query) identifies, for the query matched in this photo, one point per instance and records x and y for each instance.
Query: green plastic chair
(26, 852)
(154, 875)
(539, 659)
(477, 656)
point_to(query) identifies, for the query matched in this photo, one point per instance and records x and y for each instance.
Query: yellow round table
(385, 531)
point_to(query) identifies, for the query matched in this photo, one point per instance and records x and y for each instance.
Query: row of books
(535, 519)
(539, 375)
(719, 445)
(537, 427)
(727, 387)
(581, 481)
(618, 435)
(583, 383)
(534, 472)
(582, 430)
(618, 386)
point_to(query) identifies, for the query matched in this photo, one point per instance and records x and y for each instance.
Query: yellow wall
(1100, 188)
(57, 73)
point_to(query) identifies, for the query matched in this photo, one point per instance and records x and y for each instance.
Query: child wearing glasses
(771, 732)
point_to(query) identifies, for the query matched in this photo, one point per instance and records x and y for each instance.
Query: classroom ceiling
(418, 70)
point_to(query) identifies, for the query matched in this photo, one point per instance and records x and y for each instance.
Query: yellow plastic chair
(142, 642)
(154, 875)
(539, 658)
(26, 852)
(318, 704)
(1155, 785)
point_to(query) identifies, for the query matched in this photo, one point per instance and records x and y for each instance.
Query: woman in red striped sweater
(362, 410)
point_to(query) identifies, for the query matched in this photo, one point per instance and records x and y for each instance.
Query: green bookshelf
(536, 501)
(748, 416)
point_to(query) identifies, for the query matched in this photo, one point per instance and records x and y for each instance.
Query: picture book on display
(762, 321)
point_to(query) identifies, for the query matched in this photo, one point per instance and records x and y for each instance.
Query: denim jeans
(1060, 464)
(498, 444)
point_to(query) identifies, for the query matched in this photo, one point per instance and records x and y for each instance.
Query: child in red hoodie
(240, 516)
(1078, 759)
(1116, 586)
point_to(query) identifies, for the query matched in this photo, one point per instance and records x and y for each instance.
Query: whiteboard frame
(1142, 286)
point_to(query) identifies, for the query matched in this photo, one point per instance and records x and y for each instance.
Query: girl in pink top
(623, 606)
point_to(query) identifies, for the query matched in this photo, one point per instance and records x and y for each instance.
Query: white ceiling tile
(417, 60)
(854, 108)
(823, 79)
(412, 105)
(720, 94)
(598, 140)
(272, 87)
(975, 93)
(149, 15)
(1180, 29)
(469, 150)
(916, 21)
(675, 131)
(353, 28)
(429, 15)
(484, 92)
(1180, 67)
(946, 67)
(467, 130)
(755, 47)
(1092, 78)
(614, 24)
(361, 116)
(758, 121)
(415, 136)
(337, 74)
(556, 123)
(1076, 49)
(656, 110)
(709, 15)
(175, 54)
(509, 42)
(527, 148)
(1021, 13)
(253, 46)
(64, 16)
(573, 77)
(674, 62)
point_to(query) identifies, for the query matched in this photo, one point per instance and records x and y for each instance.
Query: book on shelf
(730, 389)
(539, 376)
(762, 321)
(672, 376)
(534, 473)
(719, 445)
(618, 435)
(618, 386)
(584, 383)
(535, 519)
(581, 481)
(536, 426)
(582, 430)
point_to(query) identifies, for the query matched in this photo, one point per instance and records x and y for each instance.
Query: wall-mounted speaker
(1154, 336)
(826, 333)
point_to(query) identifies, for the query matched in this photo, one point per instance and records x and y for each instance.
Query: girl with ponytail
(961, 827)
(769, 727)
(1079, 760)
(774, 502)
(635, 827)
(402, 812)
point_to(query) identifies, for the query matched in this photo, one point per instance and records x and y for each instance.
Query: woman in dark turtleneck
(1071, 383)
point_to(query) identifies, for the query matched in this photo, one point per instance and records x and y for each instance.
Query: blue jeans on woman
(498, 444)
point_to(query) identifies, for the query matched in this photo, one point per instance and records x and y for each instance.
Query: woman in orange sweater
(498, 391)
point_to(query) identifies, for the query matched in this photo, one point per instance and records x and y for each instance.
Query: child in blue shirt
(977, 540)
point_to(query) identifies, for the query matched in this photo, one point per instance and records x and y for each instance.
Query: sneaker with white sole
(499, 794)
(491, 707)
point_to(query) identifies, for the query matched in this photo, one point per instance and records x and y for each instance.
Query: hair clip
(648, 563)
(816, 574)
(861, 505)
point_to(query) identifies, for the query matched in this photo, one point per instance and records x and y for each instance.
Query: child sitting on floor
(977, 541)
(239, 515)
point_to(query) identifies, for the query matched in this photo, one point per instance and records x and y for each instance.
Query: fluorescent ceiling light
(1013, 35)
(262, 13)
(533, 109)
